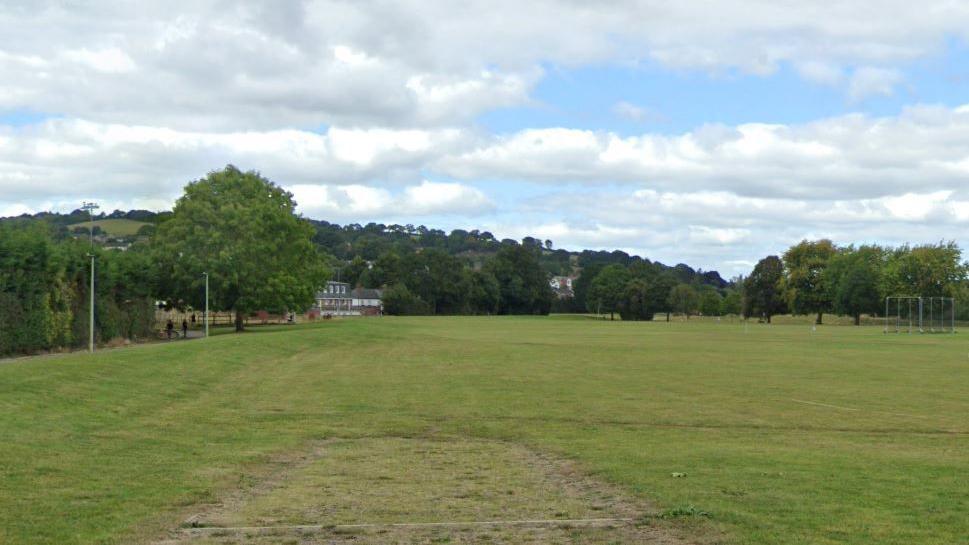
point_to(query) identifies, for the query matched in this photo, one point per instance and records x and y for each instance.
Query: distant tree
(803, 283)
(853, 277)
(582, 285)
(244, 232)
(449, 282)
(532, 242)
(400, 301)
(146, 230)
(660, 286)
(636, 302)
(763, 291)
(354, 270)
(607, 290)
(930, 270)
(386, 270)
(85, 230)
(485, 294)
(711, 303)
(683, 273)
(732, 302)
(523, 285)
(684, 299)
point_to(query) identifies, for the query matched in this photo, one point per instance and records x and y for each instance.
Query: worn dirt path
(424, 490)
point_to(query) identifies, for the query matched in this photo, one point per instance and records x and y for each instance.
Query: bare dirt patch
(420, 490)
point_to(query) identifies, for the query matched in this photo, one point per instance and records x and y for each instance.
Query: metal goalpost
(916, 314)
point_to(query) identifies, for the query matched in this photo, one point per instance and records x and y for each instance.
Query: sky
(708, 133)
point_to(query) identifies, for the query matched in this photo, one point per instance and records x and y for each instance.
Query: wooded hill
(370, 241)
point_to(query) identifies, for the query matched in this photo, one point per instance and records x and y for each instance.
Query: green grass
(842, 435)
(114, 227)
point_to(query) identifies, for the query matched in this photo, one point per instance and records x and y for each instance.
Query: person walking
(184, 328)
(169, 328)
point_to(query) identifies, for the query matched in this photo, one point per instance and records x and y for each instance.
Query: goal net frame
(917, 314)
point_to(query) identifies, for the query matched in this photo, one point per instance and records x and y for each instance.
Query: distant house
(562, 286)
(366, 301)
(338, 299)
(335, 298)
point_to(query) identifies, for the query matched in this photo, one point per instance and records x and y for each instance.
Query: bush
(44, 292)
(400, 301)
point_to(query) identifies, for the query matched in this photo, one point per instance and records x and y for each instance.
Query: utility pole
(206, 275)
(90, 207)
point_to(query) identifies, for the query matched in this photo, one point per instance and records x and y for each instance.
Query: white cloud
(208, 65)
(717, 235)
(868, 81)
(632, 112)
(62, 158)
(821, 72)
(111, 60)
(444, 198)
(723, 231)
(359, 202)
(916, 207)
(851, 156)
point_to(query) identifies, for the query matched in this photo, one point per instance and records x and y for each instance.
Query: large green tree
(243, 231)
(684, 299)
(930, 270)
(582, 285)
(732, 302)
(763, 292)
(636, 303)
(661, 283)
(804, 279)
(853, 277)
(522, 284)
(607, 290)
(711, 302)
(485, 294)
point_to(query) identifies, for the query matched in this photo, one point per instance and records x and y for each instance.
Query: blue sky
(711, 134)
(681, 100)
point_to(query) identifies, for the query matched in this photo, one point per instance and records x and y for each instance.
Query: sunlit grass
(786, 434)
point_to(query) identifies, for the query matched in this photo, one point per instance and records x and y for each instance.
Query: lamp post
(91, 207)
(206, 316)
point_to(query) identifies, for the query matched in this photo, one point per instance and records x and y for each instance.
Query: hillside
(370, 241)
(112, 227)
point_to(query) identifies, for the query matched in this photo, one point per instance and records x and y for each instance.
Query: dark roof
(365, 293)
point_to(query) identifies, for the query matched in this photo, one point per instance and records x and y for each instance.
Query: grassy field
(840, 435)
(114, 227)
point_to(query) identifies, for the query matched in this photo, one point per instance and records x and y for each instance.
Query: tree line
(640, 290)
(811, 277)
(242, 232)
(818, 277)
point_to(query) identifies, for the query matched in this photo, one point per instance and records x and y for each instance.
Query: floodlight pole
(206, 275)
(90, 207)
(90, 342)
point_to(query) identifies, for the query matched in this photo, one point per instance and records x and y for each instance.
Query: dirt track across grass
(424, 490)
